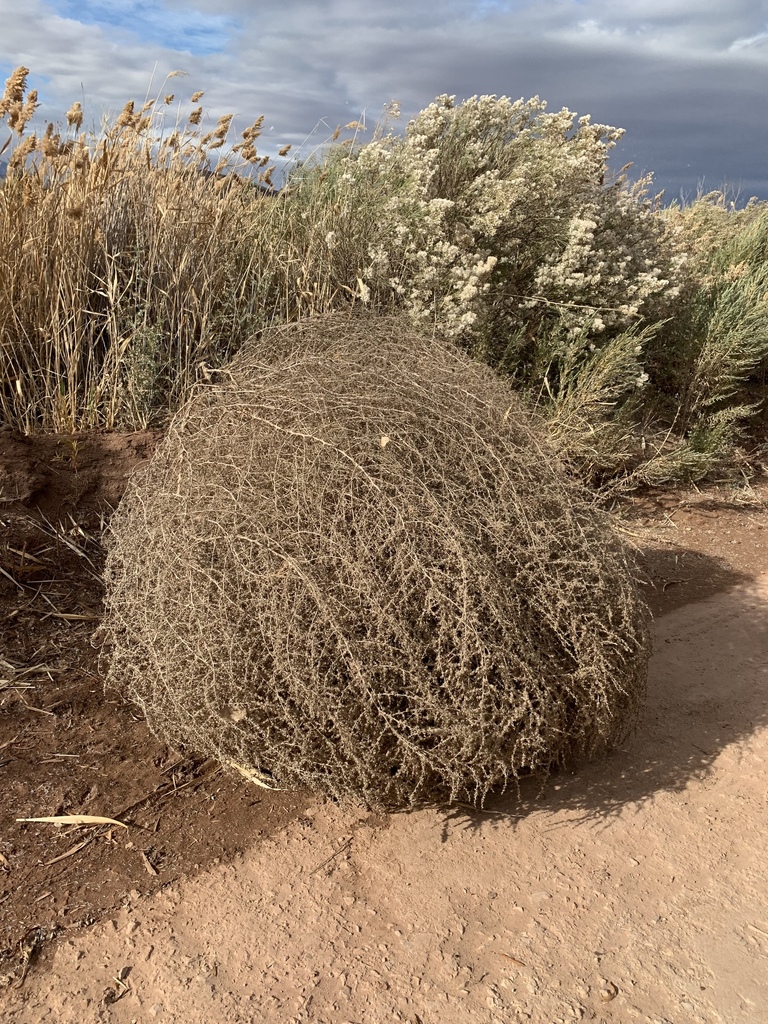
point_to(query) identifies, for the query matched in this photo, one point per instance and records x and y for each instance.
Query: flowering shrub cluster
(635, 327)
(496, 217)
(491, 222)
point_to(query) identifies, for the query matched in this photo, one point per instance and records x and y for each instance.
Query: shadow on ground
(707, 689)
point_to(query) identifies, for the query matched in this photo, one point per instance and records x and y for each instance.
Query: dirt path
(633, 890)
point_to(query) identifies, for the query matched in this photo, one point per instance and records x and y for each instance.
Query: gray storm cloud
(687, 80)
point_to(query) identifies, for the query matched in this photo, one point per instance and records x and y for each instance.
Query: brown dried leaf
(70, 852)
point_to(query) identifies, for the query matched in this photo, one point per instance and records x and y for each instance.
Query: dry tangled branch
(353, 565)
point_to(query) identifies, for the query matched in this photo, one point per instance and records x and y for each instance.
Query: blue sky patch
(174, 28)
(485, 7)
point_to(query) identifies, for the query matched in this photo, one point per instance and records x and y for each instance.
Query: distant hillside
(3, 168)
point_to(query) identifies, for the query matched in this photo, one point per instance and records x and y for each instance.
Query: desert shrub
(706, 363)
(491, 221)
(353, 564)
(594, 407)
(491, 217)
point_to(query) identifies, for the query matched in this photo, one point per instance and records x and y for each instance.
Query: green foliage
(595, 403)
(706, 364)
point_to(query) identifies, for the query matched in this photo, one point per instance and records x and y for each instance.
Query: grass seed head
(50, 143)
(28, 111)
(75, 116)
(14, 89)
(127, 117)
(15, 117)
(254, 131)
(22, 151)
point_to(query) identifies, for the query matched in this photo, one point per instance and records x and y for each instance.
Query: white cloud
(686, 78)
(751, 42)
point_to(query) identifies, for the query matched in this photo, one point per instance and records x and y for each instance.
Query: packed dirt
(634, 889)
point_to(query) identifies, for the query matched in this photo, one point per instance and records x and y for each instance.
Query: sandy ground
(634, 890)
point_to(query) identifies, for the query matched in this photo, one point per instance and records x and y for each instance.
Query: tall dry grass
(126, 261)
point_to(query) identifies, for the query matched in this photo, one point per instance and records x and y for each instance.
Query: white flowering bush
(491, 222)
(497, 218)
(489, 217)
(643, 332)
(495, 223)
(614, 269)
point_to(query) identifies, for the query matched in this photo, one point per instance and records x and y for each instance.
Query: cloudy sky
(687, 79)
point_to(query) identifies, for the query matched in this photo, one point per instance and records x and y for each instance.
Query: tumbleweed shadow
(707, 688)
